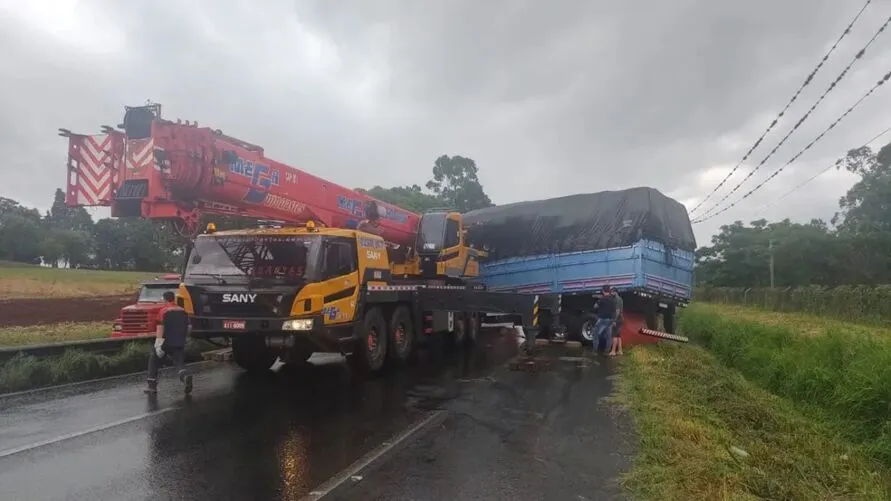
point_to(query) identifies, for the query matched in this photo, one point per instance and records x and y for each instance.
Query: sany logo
(239, 298)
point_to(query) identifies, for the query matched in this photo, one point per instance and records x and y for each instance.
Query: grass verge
(20, 282)
(25, 372)
(841, 372)
(53, 333)
(690, 411)
(800, 323)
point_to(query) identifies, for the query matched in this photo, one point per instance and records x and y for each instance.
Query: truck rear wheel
(581, 328)
(402, 336)
(252, 354)
(473, 327)
(459, 332)
(371, 347)
(668, 319)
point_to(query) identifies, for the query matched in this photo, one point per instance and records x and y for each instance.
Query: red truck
(139, 319)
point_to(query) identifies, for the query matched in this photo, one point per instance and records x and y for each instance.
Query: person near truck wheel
(606, 318)
(617, 327)
(170, 340)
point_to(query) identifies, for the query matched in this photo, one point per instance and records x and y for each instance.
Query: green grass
(690, 410)
(34, 281)
(800, 323)
(840, 372)
(54, 333)
(27, 372)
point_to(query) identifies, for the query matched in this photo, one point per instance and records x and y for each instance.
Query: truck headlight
(300, 324)
(117, 327)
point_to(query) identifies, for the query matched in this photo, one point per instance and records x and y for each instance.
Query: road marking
(18, 450)
(358, 470)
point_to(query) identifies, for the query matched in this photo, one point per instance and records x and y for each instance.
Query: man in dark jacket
(170, 340)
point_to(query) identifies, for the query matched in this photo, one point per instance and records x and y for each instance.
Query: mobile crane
(337, 270)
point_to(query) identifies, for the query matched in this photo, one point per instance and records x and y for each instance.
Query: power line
(804, 117)
(878, 84)
(776, 120)
(818, 174)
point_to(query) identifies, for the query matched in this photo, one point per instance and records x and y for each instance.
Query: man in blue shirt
(606, 317)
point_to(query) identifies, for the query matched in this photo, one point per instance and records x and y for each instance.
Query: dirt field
(21, 312)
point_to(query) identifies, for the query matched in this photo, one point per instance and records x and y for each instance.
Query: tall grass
(844, 376)
(24, 372)
(858, 303)
(693, 414)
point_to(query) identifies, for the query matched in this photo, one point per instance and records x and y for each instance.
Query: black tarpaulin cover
(581, 222)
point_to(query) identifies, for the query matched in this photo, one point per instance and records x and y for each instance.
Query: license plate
(234, 324)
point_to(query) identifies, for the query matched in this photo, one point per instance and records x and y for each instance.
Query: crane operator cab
(283, 292)
(441, 248)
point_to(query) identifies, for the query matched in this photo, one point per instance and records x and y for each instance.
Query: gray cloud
(549, 98)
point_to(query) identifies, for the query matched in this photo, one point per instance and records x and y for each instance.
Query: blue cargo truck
(653, 280)
(638, 241)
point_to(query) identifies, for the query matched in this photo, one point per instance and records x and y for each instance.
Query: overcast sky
(549, 98)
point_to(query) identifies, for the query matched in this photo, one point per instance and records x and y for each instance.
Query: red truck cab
(140, 318)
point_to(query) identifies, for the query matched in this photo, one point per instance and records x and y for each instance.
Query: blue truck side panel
(644, 266)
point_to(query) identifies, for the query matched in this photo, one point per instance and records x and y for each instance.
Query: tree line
(854, 247)
(68, 237)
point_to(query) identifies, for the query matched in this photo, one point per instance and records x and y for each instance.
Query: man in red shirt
(170, 339)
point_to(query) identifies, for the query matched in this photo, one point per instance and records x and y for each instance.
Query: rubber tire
(361, 359)
(585, 321)
(252, 354)
(575, 326)
(651, 315)
(472, 328)
(401, 315)
(459, 334)
(668, 319)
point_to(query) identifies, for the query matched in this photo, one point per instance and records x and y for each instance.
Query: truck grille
(133, 322)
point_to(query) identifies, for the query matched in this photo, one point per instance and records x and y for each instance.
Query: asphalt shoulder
(515, 435)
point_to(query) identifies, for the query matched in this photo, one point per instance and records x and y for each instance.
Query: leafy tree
(21, 234)
(455, 181)
(411, 198)
(866, 207)
(60, 216)
(51, 249)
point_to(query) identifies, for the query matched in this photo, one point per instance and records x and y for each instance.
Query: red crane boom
(159, 169)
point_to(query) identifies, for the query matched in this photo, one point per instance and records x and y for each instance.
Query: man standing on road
(170, 339)
(617, 327)
(606, 317)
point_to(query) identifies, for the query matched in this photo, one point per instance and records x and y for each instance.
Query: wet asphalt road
(507, 435)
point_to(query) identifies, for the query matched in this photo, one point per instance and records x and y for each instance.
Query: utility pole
(770, 250)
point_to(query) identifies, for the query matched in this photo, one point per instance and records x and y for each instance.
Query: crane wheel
(251, 353)
(402, 336)
(371, 346)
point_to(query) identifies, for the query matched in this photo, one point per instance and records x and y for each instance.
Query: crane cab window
(340, 258)
(451, 234)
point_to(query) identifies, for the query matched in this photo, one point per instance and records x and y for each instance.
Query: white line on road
(18, 450)
(351, 473)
